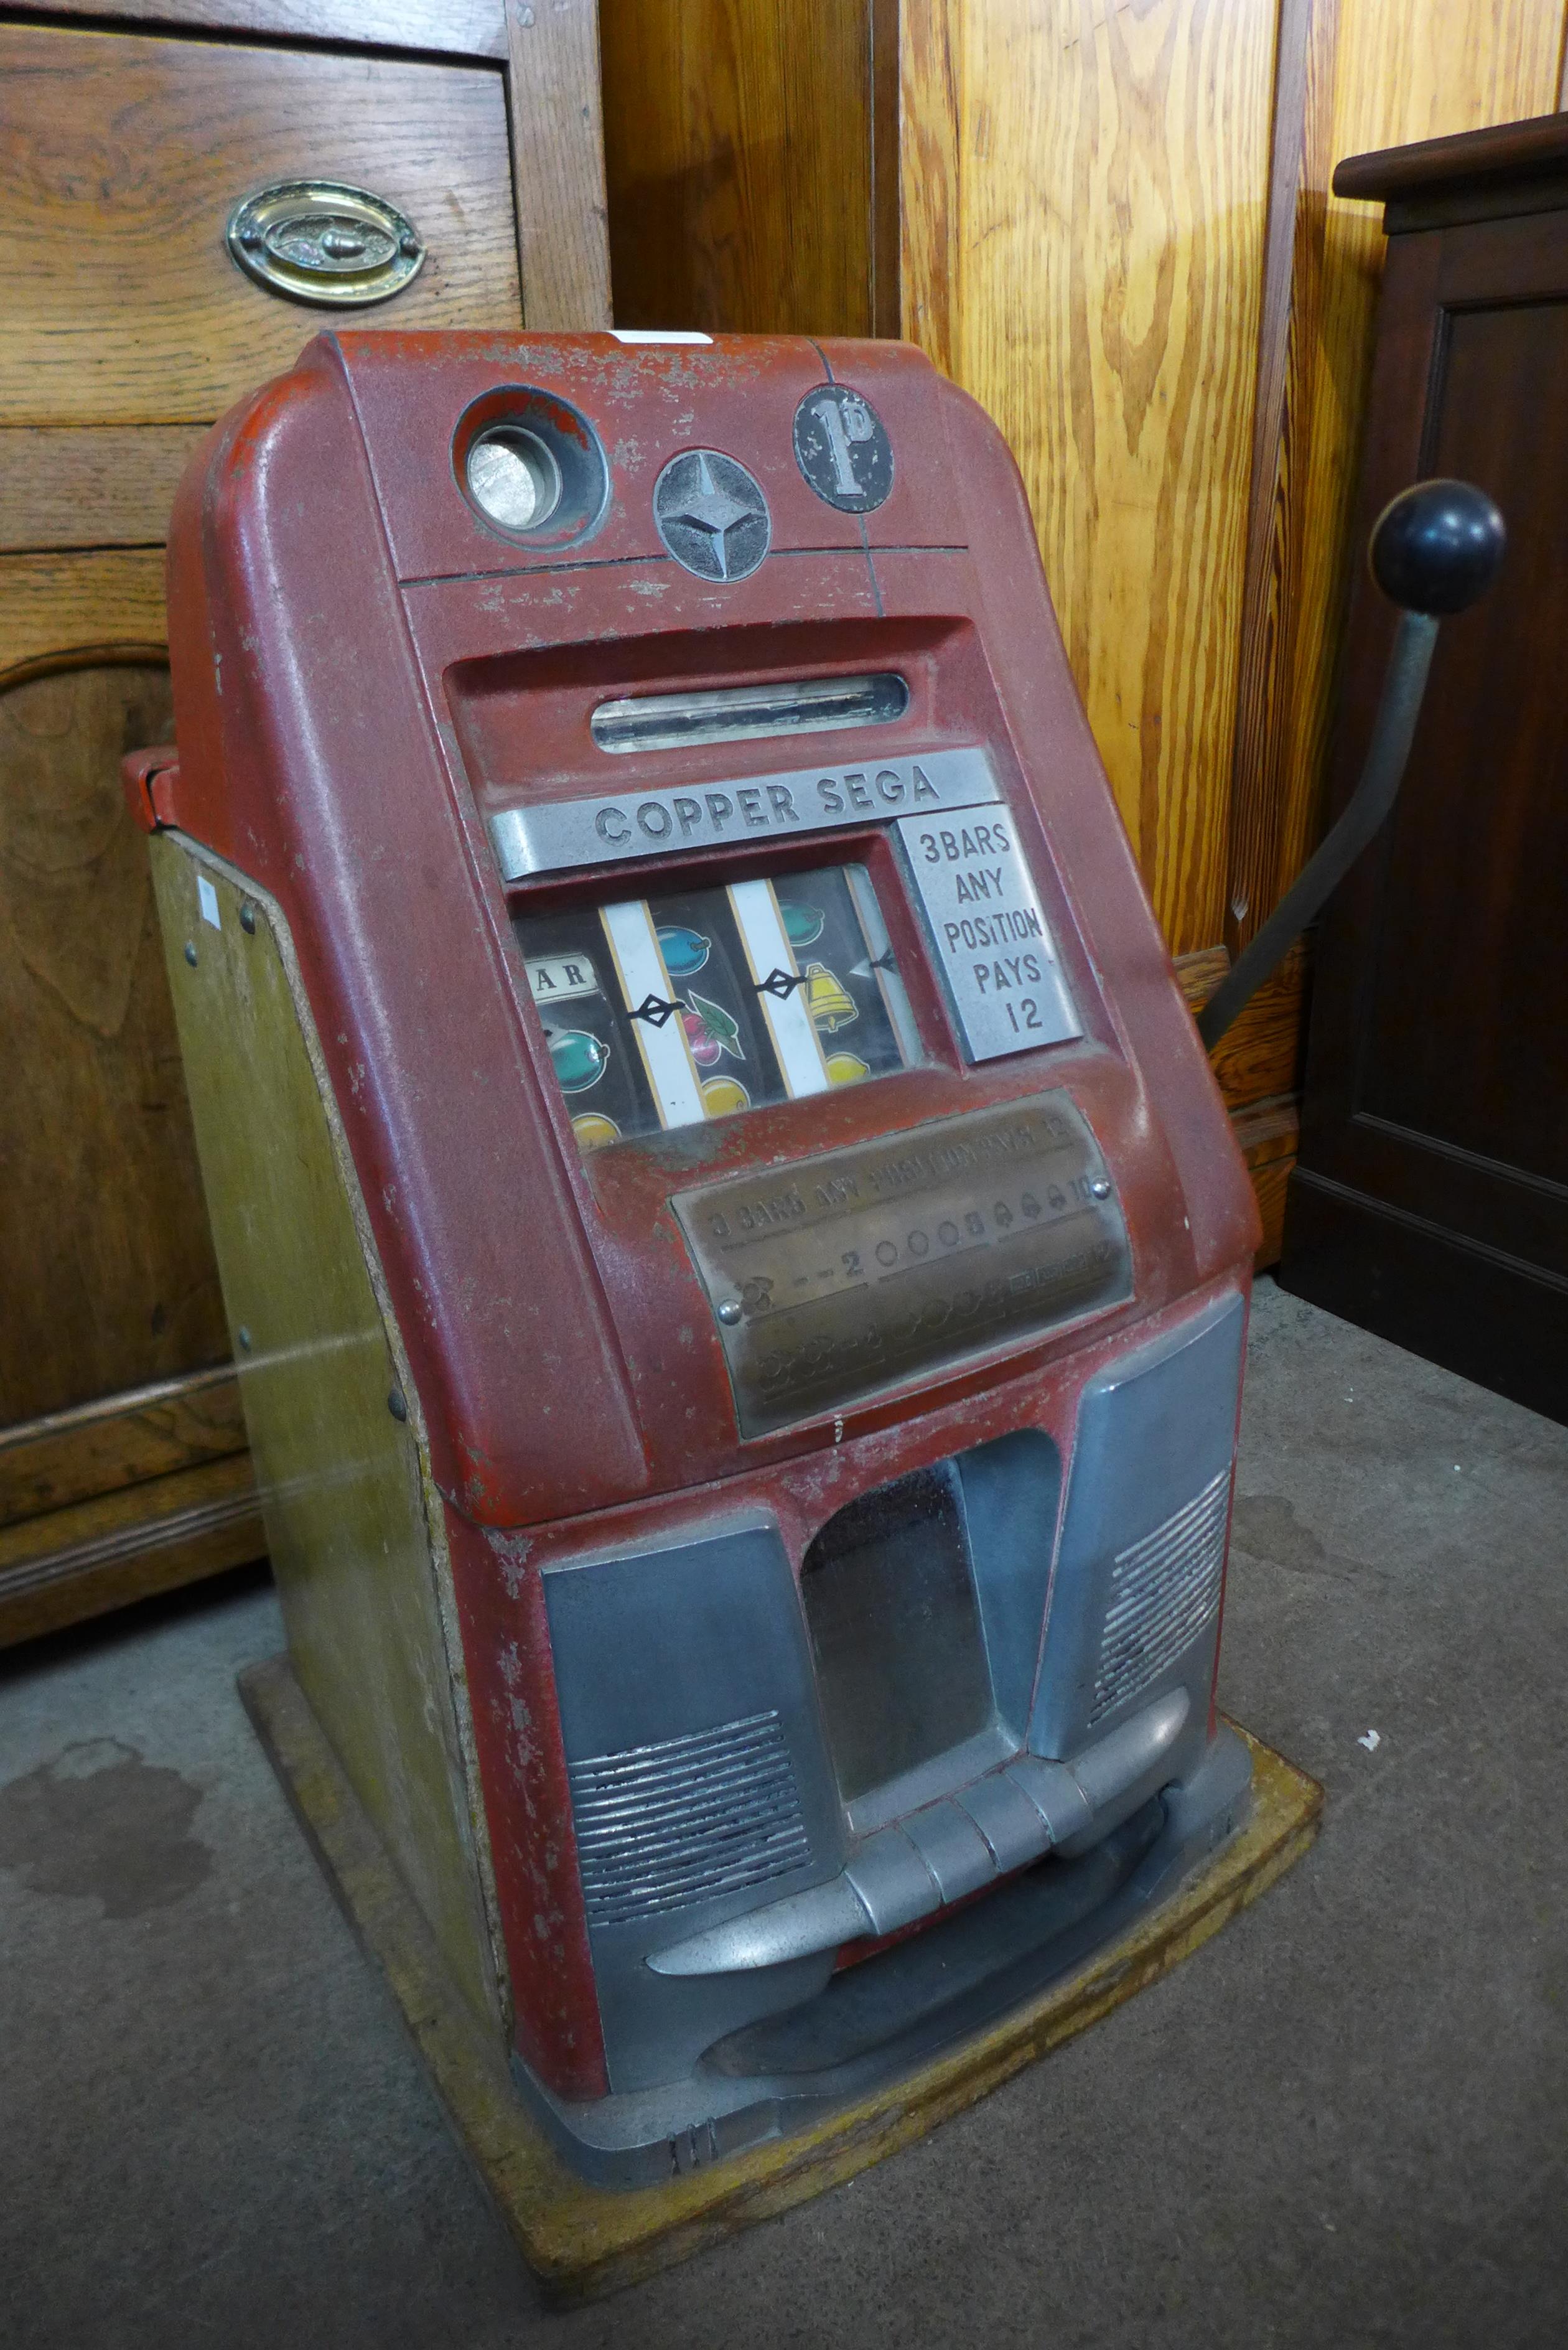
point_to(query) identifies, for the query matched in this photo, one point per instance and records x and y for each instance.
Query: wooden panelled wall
(1110, 223)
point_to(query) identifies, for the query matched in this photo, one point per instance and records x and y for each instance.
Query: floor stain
(98, 1822)
(1266, 1525)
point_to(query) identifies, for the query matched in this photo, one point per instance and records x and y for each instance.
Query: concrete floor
(1343, 2122)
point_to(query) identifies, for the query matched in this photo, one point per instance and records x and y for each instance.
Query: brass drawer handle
(318, 241)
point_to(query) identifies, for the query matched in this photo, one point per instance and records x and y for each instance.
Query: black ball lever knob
(1436, 547)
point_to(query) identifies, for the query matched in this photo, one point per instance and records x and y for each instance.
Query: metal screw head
(248, 919)
(397, 1405)
(1100, 1189)
(244, 1335)
(730, 1312)
(190, 952)
(410, 247)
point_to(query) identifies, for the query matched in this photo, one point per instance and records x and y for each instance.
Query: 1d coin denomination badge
(841, 446)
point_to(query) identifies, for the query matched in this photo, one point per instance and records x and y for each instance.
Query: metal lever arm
(1434, 550)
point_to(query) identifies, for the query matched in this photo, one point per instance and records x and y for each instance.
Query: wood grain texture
(73, 1456)
(109, 1278)
(1199, 972)
(469, 28)
(1256, 1063)
(1291, 324)
(739, 144)
(120, 157)
(53, 606)
(1471, 166)
(90, 485)
(558, 162)
(1403, 70)
(1260, 1055)
(1269, 1133)
(77, 1562)
(1113, 180)
(887, 222)
(930, 150)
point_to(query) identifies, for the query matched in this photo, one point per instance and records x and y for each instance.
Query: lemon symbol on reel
(721, 1097)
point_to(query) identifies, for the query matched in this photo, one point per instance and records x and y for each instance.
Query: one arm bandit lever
(1434, 550)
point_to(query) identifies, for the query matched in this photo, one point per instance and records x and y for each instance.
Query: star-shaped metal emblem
(711, 516)
(712, 510)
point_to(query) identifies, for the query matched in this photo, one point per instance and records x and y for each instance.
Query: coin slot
(738, 713)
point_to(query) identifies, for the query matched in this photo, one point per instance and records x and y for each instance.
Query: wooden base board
(72, 1563)
(127, 1496)
(1498, 1320)
(582, 2240)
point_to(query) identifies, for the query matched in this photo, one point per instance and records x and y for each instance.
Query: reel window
(694, 1005)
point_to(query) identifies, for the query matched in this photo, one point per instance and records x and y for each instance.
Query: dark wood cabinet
(1430, 1201)
(129, 129)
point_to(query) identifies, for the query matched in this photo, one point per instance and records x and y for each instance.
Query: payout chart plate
(846, 1272)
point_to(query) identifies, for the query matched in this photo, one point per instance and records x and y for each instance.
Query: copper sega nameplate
(554, 835)
(847, 1272)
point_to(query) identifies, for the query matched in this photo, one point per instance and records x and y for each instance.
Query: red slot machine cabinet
(737, 1261)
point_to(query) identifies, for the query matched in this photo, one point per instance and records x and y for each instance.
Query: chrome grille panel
(1163, 1589)
(659, 1827)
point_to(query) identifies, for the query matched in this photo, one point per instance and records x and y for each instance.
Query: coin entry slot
(739, 714)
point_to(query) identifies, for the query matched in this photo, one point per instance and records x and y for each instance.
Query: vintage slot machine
(737, 1260)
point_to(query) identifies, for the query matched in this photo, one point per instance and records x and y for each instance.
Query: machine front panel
(847, 1272)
